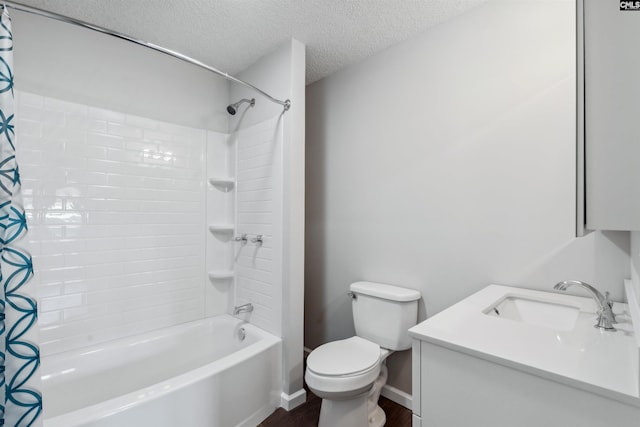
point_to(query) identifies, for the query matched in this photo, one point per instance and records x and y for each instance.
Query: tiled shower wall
(115, 207)
(259, 211)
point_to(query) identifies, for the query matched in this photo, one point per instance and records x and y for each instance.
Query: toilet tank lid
(388, 292)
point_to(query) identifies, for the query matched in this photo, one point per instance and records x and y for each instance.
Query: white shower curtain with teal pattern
(21, 405)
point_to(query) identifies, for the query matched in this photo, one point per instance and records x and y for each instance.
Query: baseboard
(396, 395)
(290, 401)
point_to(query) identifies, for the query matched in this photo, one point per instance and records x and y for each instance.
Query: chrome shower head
(233, 108)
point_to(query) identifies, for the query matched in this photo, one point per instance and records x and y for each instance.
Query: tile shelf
(221, 228)
(221, 274)
(223, 183)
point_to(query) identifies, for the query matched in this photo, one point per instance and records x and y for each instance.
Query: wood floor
(306, 415)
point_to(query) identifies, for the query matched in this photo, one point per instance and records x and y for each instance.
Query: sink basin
(549, 314)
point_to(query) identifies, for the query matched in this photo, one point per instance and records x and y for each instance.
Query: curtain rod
(34, 10)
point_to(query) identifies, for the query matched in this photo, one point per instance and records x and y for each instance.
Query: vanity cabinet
(609, 114)
(452, 388)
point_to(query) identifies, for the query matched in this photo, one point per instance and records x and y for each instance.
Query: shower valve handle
(242, 238)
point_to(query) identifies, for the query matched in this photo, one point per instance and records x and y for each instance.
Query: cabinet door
(612, 115)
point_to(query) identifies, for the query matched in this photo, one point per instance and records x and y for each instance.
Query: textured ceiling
(231, 34)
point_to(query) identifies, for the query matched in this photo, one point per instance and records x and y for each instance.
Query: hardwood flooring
(306, 415)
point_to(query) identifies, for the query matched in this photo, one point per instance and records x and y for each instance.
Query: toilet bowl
(349, 374)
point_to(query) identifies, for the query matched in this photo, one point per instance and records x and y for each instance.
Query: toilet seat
(351, 356)
(342, 366)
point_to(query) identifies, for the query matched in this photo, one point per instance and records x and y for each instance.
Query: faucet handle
(610, 304)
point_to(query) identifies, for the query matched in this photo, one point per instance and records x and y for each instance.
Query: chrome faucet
(244, 308)
(606, 318)
(242, 238)
(258, 240)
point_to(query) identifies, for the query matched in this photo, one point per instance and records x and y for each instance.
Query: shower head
(233, 108)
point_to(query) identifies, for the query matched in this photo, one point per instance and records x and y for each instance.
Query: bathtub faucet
(244, 308)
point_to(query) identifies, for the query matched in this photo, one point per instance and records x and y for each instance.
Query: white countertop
(585, 357)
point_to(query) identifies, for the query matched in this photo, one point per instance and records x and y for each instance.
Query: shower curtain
(21, 404)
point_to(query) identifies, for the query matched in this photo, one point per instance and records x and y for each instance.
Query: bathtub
(199, 374)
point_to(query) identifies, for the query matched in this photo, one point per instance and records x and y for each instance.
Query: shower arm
(286, 104)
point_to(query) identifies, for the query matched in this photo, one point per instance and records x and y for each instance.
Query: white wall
(635, 261)
(446, 163)
(63, 61)
(281, 74)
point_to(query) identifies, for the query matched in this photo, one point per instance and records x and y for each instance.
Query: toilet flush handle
(352, 295)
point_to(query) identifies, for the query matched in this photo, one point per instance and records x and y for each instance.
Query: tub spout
(244, 308)
(606, 318)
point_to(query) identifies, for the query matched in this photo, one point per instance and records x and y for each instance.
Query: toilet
(349, 374)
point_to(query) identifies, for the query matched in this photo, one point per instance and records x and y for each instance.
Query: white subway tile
(47, 261)
(246, 153)
(26, 99)
(255, 173)
(255, 218)
(60, 302)
(56, 132)
(29, 128)
(117, 129)
(255, 162)
(155, 136)
(105, 140)
(255, 196)
(129, 181)
(121, 233)
(50, 318)
(51, 346)
(45, 234)
(255, 184)
(30, 113)
(256, 263)
(82, 122)
(64, 106)
(83, 177)
(80, 151)
(57, 275)
(48, 291)
(53, 218)
(54, 118)
(142, 147)
(101, 270)
(128, 156)
(141, 122)
(264, 206)
(84, 312)
(107, 115)
(86, 285)
(251, 275)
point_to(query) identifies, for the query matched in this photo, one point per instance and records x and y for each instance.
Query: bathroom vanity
(509, 357)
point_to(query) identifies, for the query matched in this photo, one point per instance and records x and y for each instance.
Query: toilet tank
(384, 313)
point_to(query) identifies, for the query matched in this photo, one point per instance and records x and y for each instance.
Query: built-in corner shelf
(223, 183)
(221, 228)
(220, 274)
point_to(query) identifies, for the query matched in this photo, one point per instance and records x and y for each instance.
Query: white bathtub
(198, 374)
